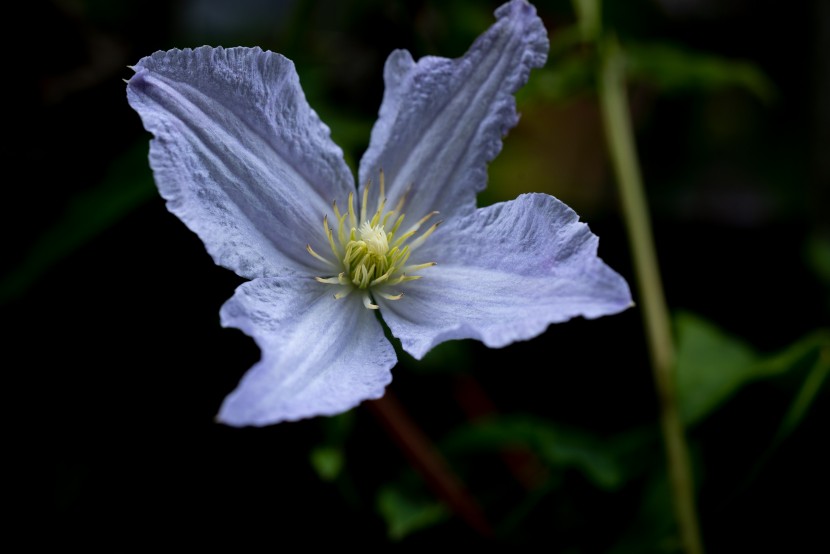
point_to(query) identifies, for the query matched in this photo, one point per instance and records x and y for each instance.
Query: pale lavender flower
(245, 163)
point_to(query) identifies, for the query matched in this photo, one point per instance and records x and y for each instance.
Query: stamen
(341, 233)
(403, 279)
(420, 240)
(402, 202)
(340, 219)
(414, 229)
(318, 256)
(369, 247)
(339, 280)
(330, 236)
(382, 278)
(382, 198)
(390, 296)
(367, 301)
(364, 208)
(352, 217)
(343, 293)
(396, 225)
(411, 268)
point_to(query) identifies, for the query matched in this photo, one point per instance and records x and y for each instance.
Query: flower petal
(442, 120)
(320, 356)
(504, 274)
(239, 155)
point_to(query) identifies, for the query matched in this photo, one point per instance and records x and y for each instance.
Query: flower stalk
(429, 463)
(620, 138)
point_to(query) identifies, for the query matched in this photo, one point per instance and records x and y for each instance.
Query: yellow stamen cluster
(372, 252)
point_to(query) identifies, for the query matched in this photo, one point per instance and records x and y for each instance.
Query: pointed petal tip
(440, 113)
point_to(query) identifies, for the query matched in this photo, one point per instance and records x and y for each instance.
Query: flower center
(375, 238)
(371, 252)
(368, 257)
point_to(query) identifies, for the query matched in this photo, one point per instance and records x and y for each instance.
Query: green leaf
(452, 357)
(809, 390)
(406, 513)
(652, 528)
(601, 461)
(564, 40)
(327, 462)
(712, 366)
(328, 458)
(128, 184)
(675, 69)
(817, 254)
(351, 133)
(815, 348)
(560, 79)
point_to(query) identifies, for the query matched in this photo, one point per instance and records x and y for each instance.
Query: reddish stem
(428, 462)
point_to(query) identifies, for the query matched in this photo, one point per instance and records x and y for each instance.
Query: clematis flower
(245, 163)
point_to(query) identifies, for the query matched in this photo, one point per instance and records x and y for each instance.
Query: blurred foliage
(713, 366)
(327, 462)
(448, 357)
(652, 528)
(817, 254)
(674, 69)
(558, 447)
(328, 457)
(127, 185)
(407, 513)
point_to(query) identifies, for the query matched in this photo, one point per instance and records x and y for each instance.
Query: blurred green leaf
(804, 398)
(652, 529)
(338, 428)
(328, 458)
(560, 79)
(406, 513)
(675, 69)
(349, 132)
(460, 22)
(712, 366)
(809, 390)
(127, 185)
(601, 461)
(818, 256)
(449, 357)
(327, 462)
(563, 40)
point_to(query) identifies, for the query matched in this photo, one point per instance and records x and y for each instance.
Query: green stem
(620, 137)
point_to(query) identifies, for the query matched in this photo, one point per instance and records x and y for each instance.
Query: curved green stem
(620, 137)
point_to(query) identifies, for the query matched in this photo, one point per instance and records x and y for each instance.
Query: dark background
(116, 363)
